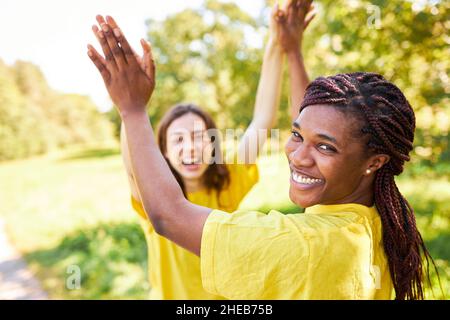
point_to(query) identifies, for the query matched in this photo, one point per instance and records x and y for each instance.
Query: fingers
(128, 52)
(303, 6)
(287, 3)
(112, 22)
(116, 50)
(138, 59)
(274, 11)
(308, 20)
(148, 62)
(291, 11)
(105, 47)
(280, 15)
(99, 62)
(100, 19)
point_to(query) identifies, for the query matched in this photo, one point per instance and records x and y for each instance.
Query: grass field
(73, 209)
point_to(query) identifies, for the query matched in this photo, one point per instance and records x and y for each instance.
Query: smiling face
(189, 148)
(328, 160)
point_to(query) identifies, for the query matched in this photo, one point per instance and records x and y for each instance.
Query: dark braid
(388, 121)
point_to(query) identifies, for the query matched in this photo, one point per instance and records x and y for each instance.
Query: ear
(375, 163)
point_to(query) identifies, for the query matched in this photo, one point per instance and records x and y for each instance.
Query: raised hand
(129, 79)
(291, 23)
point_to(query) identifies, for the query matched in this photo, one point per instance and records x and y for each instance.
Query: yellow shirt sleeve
(243, 255)
(137, 206)
(250, 255)
(144, 220)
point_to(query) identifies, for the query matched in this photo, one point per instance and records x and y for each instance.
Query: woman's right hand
(292, 22)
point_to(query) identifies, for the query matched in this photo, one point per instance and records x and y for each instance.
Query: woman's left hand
(129, 79)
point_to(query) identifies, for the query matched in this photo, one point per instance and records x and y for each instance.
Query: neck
(363, 194)
(365, 199)
(193, 185)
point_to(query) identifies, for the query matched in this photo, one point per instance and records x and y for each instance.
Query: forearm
(171, 214)
(266, 104)
(269, 87)
(126, 161)
(130, 85)
(151, 173)
(298, 80)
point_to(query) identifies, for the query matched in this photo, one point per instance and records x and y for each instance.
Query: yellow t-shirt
(329, 252)
(174, 273)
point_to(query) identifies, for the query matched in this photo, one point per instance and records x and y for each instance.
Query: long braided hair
(388, 122)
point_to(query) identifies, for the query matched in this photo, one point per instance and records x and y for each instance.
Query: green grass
(73, 209)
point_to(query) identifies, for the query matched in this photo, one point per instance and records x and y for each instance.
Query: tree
(35, 119)
(203, 56)
(408, 47)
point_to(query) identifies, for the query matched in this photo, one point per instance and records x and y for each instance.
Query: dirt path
(16, 280)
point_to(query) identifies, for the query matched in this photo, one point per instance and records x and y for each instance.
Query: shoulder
(321, 231)
(249, 254)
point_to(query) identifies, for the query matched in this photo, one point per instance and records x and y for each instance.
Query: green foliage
(112, 259)
(35, 119)
(410, 48)
(116, 121)
(204, 56)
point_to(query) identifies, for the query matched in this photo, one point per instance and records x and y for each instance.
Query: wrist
(273, 44)
(294, 55)
(133, 114)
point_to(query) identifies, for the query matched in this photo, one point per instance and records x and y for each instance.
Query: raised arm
(130, 86)
(127, 163)
(267, 97)
(292, 22)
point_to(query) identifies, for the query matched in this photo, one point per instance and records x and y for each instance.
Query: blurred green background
(64, 194)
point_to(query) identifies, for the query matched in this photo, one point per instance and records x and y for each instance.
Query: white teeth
(191, 161)
(303, 179)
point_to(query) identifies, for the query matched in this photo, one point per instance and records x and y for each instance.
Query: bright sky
(53, 35)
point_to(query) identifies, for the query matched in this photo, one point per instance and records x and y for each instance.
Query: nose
(191, 147)
(188, 149)
(300, 156)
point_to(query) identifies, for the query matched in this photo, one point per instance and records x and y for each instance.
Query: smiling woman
(357, 238)
(372, 142)
(328, 159)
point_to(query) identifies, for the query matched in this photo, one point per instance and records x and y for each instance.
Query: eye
(180, 139)
(296, 136)
(327, 147)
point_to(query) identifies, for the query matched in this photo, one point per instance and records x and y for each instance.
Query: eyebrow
(320, 135)
(178, 132)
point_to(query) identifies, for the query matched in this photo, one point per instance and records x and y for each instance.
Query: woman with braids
(357, 238)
